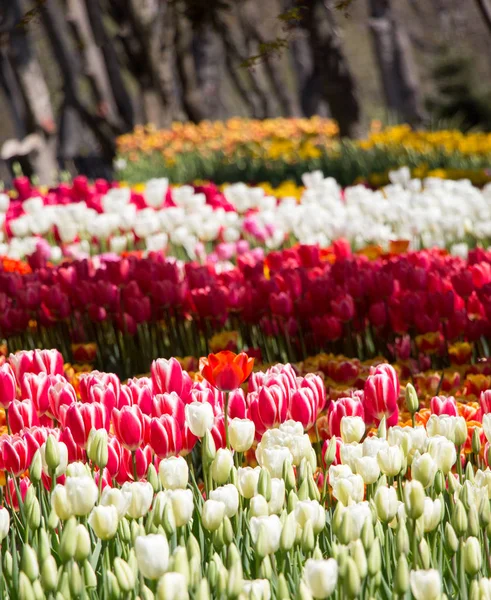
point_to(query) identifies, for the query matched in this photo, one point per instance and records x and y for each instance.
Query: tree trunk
(58, 35)
(397, 70)
(485, 10)
(106, 45)
(208, 53)
(331, 78)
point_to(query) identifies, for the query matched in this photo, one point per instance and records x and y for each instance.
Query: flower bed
(172, 486)
(273, 151)
(207, 223)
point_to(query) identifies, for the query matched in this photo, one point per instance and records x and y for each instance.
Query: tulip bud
(352, 583)
(228, 531)
(424, 554)
(212, 574)
(359, 556)
(25, 588)
(472, 556)
(439, 483)
(52, 454)
(303, 592)
(168, 520)
(288, 533)
(330, 452)
(124, 575)
(235, 580)
(469, 472)
(303, 490)
(82, 550)
(114, 591)
(401, 581)
(33, 513)
(264, 484)
(451, 540)
(473, 526)
(29, 562)
(36, 467)
(221, 466)
(345, 533)
(212, 515)
(382, 428)
(288, 476)
(153, 478)
(459, 519)
(53, 520)
(233, 555)
(314, 493)
(484, 513)
(474, 593)
(374, 558)
(125, 530)
(412, 401)
(90, 578)
(414, 499)
(209, 448)
(203, 592)
(265, 568)
(402, 539)
(97, 447)
(292, 501)
(308, 538)
(68, 543)
(367, 535)
(193, 548)
(283, 591)
(453, 485)
(476, 441)
(75, 580)
(7, 564)
(49, 574)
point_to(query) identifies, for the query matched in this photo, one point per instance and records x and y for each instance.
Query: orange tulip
(226, 370)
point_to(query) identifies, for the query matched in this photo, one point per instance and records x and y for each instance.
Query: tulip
(381, 393)
(386, 503)
(248, 478)
(348, 488)
(141, 498)
(212, 514)
(7, 386)
(152, 555)
(442, 405)
(241, 432)
(269, 408)
(259, 506)
(226, 370)
(81, 418)
(60, 394)
(54, 465)
(265, 533)
(15, 455)
(443, 452)
(229, 495)
(304, 407)
(128, 426)
(36, 387)
(426, 585)
(352, 429)
(172, 586)
(368, 468)
(344, 407)
(199, 417)
(414, 499)
(174, 472)
(432, 514)
(165, 436)
(424, 468)
(169, 404)
(221, 466)
(182, 505)
(310, 511)
(168, 377)
(321, 577)
(81, 493)
(4, 523)
(119, 498)
(390, 460)
(257, 588)
(104, 520)
(274, 458)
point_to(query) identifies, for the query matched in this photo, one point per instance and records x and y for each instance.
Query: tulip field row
(274, 150)
(208, 223)
(329, 478)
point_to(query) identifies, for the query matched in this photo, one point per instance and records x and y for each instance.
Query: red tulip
(60, 394)
(226, 370)
(165, 436)
(269, 408)
(141, 395)
(81, 418)
(15, 455)
(218, 432)
(75, 453)
(344, 407)
(169, 404)
(303, 407)
(11, 493)
(35, 388)
(189, 440)
(168, 376)
(7, 385)
(237, 407)
(128, 426)
(381, 393)
(443, 405)
(22, 415)
(114, 456)
(142, 459)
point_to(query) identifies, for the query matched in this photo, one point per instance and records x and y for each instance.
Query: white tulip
(443, 452)
(104, 520)
(321, 577)
(199, 417)
(349, 488)
(426, 585)
(259, 589)
(172, 586)
(275, 505)
(174, 472)
(248, 478)
(352, 429)
(368, 468)
(268, 531)
(390, 460)
(241, 434)
(119, 498)
(141, 498)
(182, 505)
(212, 514)
(432, 514)
(81, 493)
(229, 495)
(4, 522)
(152, 555)
(310, 510)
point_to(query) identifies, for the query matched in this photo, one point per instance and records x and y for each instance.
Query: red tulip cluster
(291, 305)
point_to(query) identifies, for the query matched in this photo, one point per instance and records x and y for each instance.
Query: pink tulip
(169, 404)
(114, 456)
(49, 361)
(303, 407)
(165, 436)
(168, 376)
(443, 405)
(381, 393)
(189, 440)
(268, 408)
(22, 415)
(81, 418)
(128, 426)
(485, 402)
(75, 453)
(141, 395)
(107, 380)
(35, 388)
(15, 455)
(315, 383)
(7, 385)
(143, 458)
(218, 432)
(205, 392)
(237, 406)
(60, 394)
(344, 407)
(21, 363)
